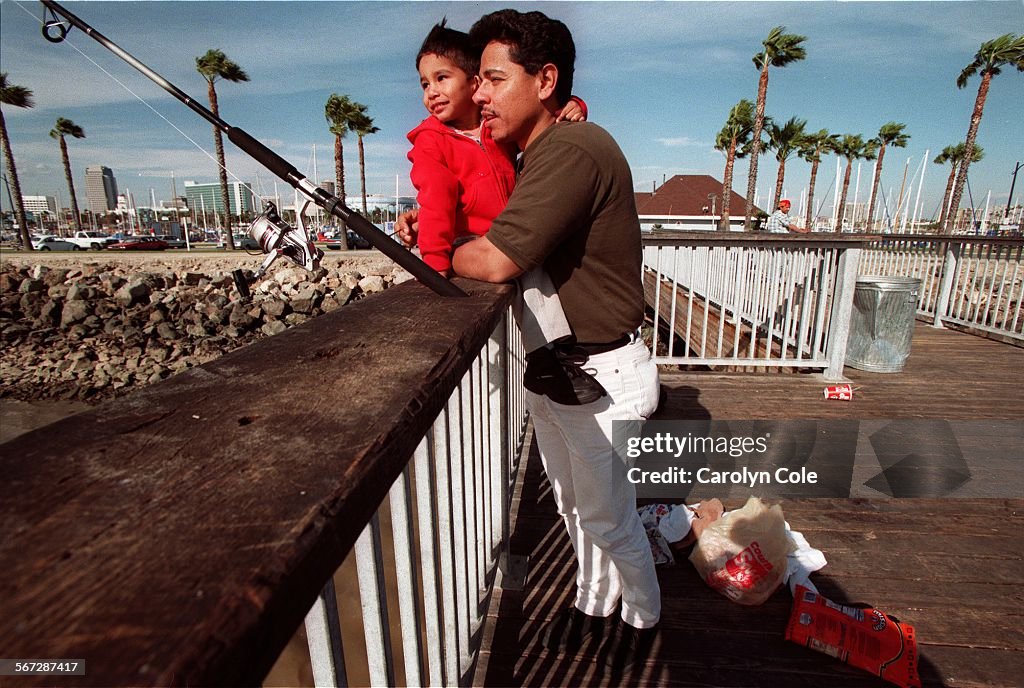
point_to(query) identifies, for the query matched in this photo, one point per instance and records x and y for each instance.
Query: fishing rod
(275, 237)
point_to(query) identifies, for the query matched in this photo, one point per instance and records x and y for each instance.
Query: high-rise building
(39, 205)
(207, 197)
(100, 188)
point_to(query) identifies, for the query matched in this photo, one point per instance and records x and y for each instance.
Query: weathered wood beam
(179, 534)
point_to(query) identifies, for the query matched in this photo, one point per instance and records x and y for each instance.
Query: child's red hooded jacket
(461, 186)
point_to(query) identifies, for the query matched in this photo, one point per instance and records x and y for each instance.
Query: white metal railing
(744, 302)
(974, 283)
(449, 513)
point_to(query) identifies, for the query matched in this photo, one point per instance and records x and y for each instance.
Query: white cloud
(682, 141)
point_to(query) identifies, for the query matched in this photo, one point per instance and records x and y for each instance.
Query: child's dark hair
(452, 44)
(534, 40)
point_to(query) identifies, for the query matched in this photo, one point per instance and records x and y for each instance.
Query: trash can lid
(895, 283)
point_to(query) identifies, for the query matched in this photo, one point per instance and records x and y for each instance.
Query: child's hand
(572, 112)
(407, 227)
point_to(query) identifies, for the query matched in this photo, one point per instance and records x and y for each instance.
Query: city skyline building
(39, 205)
(100, 189)
(207, 197)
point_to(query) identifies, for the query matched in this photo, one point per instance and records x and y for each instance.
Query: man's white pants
(588, 475)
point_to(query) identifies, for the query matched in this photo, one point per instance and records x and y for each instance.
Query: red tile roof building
(689, 201)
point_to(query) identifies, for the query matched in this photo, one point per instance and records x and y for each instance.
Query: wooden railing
(181, 534)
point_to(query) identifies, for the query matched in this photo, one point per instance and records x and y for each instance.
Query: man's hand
(407, 227)
(798, 229)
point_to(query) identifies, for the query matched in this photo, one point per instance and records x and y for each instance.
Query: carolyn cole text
(708, 476)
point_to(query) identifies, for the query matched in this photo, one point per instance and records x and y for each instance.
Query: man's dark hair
(452, 44)
(534, 40)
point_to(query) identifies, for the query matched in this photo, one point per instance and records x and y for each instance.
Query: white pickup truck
(86, 240)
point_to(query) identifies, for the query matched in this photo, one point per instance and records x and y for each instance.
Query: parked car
(172, 241)
(243, 241)
(139, 243)
(52, 243)
(94, 240)
(354, 242)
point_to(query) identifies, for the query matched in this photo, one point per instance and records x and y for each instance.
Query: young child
(462, 177)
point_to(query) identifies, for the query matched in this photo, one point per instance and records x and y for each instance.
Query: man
(573, 211)
(779, 222)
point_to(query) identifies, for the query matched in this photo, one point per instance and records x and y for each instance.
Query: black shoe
(560, 376)
(628, 646)
(571, 628)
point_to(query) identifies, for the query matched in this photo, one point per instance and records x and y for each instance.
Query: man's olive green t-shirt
(573, 211)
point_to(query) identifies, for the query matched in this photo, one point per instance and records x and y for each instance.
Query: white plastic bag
(743, 554)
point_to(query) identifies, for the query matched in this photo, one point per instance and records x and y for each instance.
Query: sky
(660, 76)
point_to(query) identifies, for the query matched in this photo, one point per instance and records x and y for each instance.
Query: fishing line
(824, 198)
(141, 100)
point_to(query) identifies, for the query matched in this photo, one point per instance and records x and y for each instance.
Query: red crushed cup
(842, 392)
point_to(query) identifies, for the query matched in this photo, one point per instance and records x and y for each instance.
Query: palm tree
(890, 134)
(212, 66)
(1008, 49)
(785, 141)
(852, 147)
(780, 49)
(341, 113)
(18, 96)
(66, 127)
(953, 155)
(731, 141)
(363, 126)
(814, 146)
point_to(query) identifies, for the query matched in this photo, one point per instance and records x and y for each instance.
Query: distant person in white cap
(780, 223)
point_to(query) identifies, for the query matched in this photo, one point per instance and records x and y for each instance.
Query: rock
(99, 330)
(371, 284)
(273, 327)
(9, 282)
(50, 313)
(240, 318)
(274, 308)
(351, 279)
(166, 331)
(400, 275)
(306, 299)
(74, 312)
(292, 275)
(32, 286)
(55, 276)
(133, 293)
(79, 292)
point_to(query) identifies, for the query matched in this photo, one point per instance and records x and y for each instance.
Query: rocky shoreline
(95, 330)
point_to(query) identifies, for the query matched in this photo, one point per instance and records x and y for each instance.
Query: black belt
(595, 349)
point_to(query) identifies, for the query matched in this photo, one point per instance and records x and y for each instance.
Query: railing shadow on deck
(181, 534)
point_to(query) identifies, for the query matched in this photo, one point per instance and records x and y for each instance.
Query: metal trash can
(882, 323)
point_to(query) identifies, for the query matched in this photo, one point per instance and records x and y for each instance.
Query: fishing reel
(277, 238)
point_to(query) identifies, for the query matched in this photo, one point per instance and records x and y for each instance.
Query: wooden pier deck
(949, 565)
